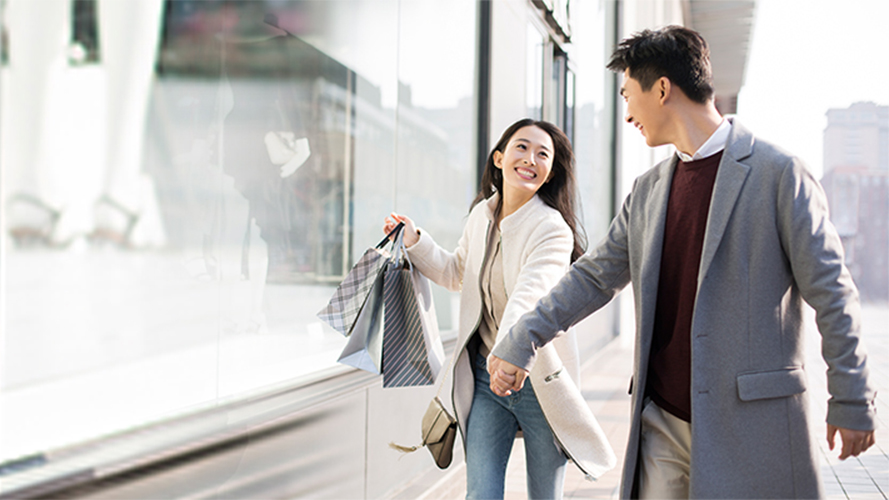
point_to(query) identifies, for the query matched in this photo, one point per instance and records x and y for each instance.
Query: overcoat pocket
(771, 384)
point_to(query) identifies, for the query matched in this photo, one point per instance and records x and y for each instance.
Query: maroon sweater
(669, 366)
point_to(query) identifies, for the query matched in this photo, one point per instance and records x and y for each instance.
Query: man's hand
(854, 442)
(505, 376)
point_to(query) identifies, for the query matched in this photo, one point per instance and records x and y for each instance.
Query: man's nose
(629, 118)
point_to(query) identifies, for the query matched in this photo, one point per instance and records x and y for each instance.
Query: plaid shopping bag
(342, 310)
(412, 348)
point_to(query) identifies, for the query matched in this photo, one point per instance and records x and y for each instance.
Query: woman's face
(526, 162)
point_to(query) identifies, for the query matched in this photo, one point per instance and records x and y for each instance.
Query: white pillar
(129, 34)
(38, 35)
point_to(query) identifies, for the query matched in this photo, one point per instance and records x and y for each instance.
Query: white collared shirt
(711, 146)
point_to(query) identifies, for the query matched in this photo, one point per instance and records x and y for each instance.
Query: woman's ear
(498, 159)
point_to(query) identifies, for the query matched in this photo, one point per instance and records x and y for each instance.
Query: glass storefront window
(591, 92)
(176, 214)
(569, 104)
(4, 37)
(535, 49)
(84, 46)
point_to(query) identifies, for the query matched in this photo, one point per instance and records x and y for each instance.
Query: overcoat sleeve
(815, 252)
(590, 283)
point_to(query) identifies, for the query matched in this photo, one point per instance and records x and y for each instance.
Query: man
(722, 243)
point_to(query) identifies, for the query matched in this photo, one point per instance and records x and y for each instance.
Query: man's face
(644, 110)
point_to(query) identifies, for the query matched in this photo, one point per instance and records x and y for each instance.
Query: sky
(806, 57)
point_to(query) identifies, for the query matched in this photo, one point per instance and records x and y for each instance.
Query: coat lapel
(655, 218)
(729, 180)
(656, 215)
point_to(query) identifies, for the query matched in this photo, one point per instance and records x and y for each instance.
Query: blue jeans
(491, 429)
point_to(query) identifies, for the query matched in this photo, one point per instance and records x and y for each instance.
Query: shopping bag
(344, 306)
(412, 348)
(365, 347)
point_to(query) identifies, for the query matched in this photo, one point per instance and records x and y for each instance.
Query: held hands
(410, 231)
(854, 442)
(505, 376)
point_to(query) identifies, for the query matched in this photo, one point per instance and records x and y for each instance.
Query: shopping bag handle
(399, 251)
(391, 233)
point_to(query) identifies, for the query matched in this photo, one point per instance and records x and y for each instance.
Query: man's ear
(665, 86)
(498, 159)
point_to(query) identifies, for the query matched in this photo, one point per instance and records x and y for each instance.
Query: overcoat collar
(516, 218)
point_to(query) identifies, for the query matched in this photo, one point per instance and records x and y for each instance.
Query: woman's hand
(506, 377)
(411, 236)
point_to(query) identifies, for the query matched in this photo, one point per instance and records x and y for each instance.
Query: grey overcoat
(768, 246)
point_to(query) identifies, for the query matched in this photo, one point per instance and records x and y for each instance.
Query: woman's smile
(526, 173)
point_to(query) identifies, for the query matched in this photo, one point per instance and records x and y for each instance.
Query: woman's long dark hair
(559, 192)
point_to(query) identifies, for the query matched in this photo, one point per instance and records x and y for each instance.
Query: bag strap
(411, 449)
(399, 247)
(450, 368)
(381, 244)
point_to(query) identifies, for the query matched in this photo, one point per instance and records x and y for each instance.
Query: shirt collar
(711, 146)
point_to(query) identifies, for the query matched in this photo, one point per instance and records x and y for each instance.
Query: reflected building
(856, 180)
(278, 120)
(258, 91)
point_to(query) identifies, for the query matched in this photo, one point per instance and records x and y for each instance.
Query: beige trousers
(665, 455)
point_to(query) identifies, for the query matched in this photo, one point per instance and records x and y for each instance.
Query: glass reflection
(176, 212)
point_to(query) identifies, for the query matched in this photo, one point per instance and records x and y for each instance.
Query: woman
(520, 238)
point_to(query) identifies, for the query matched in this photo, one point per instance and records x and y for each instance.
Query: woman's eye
(522, 147)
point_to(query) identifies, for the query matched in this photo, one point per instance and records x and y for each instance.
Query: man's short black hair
(676, 52)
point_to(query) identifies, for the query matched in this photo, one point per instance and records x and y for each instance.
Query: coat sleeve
(815, 252)
(439, 265)
(590, 283)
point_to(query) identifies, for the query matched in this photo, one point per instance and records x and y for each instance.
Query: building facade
(856, 180)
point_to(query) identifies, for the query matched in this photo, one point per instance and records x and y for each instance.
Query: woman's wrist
(408, 244)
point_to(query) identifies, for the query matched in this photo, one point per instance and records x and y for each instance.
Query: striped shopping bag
(412, 348)
(342, 311)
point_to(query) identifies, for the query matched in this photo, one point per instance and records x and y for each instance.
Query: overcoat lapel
(729, 180)
(653, 244)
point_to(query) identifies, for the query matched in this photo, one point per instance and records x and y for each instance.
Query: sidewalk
(605, 380)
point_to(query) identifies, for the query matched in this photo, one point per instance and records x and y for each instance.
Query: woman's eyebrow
(529, 142)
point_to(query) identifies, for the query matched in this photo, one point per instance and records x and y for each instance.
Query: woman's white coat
(536, 245)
